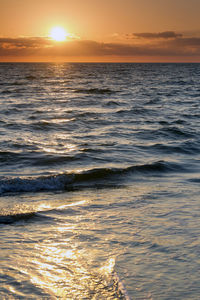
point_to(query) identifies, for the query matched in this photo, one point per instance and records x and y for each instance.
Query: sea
(100, 181)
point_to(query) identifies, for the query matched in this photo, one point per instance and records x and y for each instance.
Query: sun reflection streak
(64, 273)
(72, 204)
(108, 268)
(66, 149)
(44, 206)
(65, 265)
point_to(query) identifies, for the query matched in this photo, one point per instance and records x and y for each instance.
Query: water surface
(99, 183)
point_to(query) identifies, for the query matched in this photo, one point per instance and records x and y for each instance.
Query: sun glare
(58, 34)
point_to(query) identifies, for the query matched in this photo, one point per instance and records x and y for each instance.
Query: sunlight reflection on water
(65, 273)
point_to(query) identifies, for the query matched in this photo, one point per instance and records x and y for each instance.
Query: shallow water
(99, 185)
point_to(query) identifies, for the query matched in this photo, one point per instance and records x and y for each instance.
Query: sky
(100, 30)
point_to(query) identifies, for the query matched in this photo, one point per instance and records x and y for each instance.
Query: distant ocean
(99, 181)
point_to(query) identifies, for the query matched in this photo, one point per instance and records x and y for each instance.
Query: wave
(95, 91)
(177, 131)
(182, 148)
(18, 217)
(5, 92)
(194, 180)
(31, 77)
(34, 157)
(111, 104)
(97, 177)
(17, 83)
(28, 216)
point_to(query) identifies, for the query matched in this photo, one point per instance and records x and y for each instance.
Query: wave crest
(89, 178)
(94, 91)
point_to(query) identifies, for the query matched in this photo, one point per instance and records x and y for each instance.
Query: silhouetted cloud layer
(167, 43)
(158, 35)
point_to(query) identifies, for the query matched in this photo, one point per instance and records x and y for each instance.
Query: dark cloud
(44, 47)
(158, 35)
(187, 42)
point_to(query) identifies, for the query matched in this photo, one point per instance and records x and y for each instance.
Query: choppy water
(99, 185)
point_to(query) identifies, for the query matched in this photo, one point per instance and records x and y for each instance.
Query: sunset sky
(100, 30)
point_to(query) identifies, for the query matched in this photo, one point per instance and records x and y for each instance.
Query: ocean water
(99, 181)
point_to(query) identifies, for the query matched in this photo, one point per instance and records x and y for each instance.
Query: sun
(58, 34)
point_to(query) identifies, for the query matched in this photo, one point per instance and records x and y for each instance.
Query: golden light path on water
(60, 265)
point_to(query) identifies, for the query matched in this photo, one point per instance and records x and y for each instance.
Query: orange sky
(101, 30)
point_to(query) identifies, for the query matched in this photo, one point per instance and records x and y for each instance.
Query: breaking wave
(89, 178)
(22, 217)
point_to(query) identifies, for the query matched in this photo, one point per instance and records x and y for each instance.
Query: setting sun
(58, 34)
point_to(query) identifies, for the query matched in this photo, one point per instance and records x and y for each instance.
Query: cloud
(158, 35)
(187, 42)
(22, 46)
(23, 42)
(177, 46)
